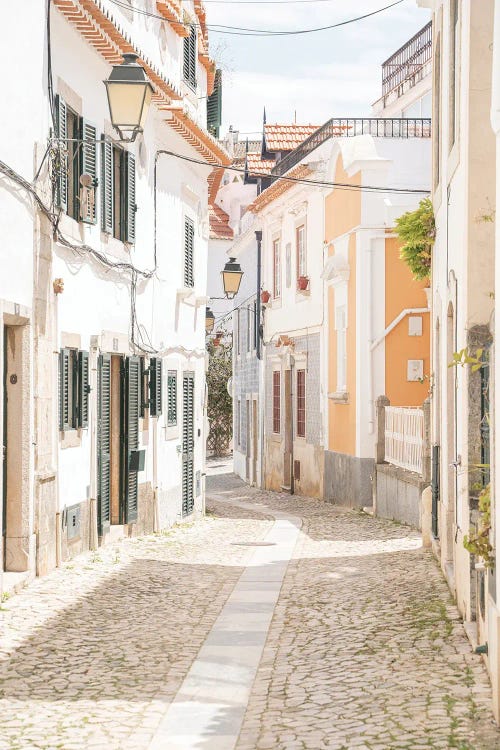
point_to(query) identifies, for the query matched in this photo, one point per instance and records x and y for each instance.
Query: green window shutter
(107, 197)
(88, 165)
(130, 205)
(155, 387)
(188, 252)
(143, 396)
(188, 443)
(132, 406)
(65, 380)
(83, 389)
(214, 106)
(103, 443)
(189, 62)
(172, 398)
(62, 134)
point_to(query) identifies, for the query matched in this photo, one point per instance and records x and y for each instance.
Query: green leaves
(462, 358)
(417, 232)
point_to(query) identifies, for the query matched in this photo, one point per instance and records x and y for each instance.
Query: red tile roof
(257, 166)
(219, 223)
(287, 137)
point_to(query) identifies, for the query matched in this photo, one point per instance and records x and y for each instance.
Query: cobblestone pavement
(91, 654)
(365, 649)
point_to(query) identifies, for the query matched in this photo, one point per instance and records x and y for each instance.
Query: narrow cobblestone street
(363, 648)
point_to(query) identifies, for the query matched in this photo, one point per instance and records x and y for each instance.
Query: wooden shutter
(301, 403)
(172, 398)
(132, 402)
(62, 134)
(65, 381)
(83, 390)
(103, 443)
(155, 387)
(88, 212)
(189, 66)
(107, 197)
(188, 443)
(130, 205)
(188, 252)
(214, 106)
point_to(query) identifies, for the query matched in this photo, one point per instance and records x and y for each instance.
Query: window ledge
(185, 292)
(71, 438)
(339, 397)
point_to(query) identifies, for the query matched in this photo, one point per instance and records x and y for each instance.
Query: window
(118, 205)
(75, 193)
(453, 71)
(249, 328)
(188, 252)
(73, 389)
(237, 426)
(301, 251)
(189, 64)
(155, 386)
(341, 328)
(436, 113)
(172, 398)
(276, 402)
(276, 269)
(238, 332)
(301, 403)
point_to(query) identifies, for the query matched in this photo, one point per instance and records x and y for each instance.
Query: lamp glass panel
(231, 281)
(126, 102)
(148, 94)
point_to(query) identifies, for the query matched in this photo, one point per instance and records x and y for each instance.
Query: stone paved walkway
(365, 648)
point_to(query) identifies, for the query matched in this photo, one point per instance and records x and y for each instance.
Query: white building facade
(107, 334)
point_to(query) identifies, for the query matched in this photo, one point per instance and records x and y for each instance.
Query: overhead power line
(243, 31)
(301, 180)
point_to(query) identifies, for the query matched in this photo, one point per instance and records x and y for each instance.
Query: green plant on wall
(417, 232)
(220, 404)
(477, 542)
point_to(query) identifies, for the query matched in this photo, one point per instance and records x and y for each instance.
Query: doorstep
(13, 582)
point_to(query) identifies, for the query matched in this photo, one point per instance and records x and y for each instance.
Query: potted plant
(302, 283)
(265, 296)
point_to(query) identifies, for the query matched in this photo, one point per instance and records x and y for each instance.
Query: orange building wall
(402, 291)
(343, 213)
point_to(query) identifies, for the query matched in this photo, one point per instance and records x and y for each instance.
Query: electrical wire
(243, 31)
(299, 180)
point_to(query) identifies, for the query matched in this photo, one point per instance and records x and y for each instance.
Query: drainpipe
(258, 237)
(292, 473)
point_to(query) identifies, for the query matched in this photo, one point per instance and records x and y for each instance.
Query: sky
(307, 78)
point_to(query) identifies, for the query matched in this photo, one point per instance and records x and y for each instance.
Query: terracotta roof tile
(219, 223)
(287, 137)
(258, 166)
(240, 148)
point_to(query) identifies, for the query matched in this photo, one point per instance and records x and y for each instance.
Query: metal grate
(408, 60)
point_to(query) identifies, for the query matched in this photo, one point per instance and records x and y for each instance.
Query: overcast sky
(334, 73)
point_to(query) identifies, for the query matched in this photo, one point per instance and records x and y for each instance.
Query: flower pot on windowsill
(303, 283)
(265, 297)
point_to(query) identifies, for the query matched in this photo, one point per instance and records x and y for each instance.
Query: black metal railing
(351, 126)
(409, 58)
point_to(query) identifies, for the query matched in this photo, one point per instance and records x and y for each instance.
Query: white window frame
(301, 249)
(276, 259)
(341, 335)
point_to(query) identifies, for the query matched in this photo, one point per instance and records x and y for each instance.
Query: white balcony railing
(404, 437)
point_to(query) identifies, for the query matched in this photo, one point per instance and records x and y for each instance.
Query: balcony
(350, 127)
(406, 64)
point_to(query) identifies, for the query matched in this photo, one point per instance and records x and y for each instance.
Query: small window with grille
(276, 402)
(188, 252)
(172, 398)
(276, 269)
(301, 403)
(301, 251)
